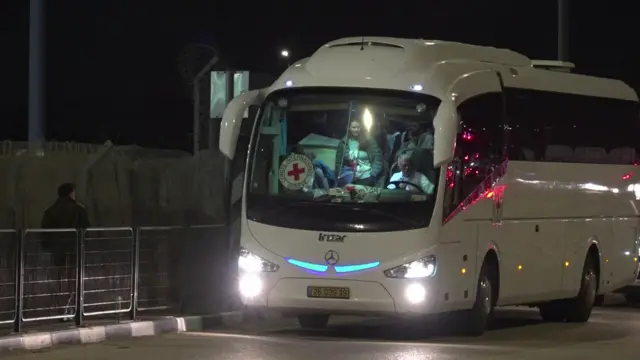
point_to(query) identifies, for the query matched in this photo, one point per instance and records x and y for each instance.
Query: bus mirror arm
(232, 120)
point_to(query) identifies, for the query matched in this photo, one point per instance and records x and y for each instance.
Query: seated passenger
(323, 175)
(409, 175)
(358, 157)
(412, 139)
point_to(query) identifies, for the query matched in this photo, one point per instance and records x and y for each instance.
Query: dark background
(112, 65)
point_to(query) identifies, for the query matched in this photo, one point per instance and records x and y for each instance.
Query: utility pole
(197, 116)
(563, 30)
(37, 56)
(195, 63)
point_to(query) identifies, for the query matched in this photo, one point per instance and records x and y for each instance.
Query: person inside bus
(323, 177)
(415, 137)
(358, 157)
(408, 174)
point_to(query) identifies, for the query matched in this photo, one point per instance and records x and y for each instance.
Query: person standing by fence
(65, 213)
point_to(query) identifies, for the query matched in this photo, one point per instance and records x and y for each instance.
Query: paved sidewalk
(99, 331)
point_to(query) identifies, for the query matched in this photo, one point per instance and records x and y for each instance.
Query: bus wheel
(316, 321)
(579, 308)
(599, 300)
(474, 322)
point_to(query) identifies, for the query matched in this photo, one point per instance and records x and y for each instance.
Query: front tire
(475, 321)
(315, 321)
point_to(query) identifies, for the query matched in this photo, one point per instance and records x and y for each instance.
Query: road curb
(120, 331)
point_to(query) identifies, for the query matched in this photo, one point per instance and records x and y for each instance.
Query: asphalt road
(613, 333)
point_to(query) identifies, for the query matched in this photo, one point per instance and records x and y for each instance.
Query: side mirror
(445, 134)
(232, 120)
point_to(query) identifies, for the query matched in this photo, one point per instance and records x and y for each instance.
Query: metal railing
(48, 274)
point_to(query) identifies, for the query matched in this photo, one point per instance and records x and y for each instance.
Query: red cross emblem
(295, 172)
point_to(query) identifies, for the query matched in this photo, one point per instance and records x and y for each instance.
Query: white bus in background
(526, 192)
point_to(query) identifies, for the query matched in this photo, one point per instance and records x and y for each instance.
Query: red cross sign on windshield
(296, 172)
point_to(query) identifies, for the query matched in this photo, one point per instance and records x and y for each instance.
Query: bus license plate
(328, 292)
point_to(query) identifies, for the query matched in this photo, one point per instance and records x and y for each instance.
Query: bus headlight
(249, 263)
(422, 268)
(250, 285)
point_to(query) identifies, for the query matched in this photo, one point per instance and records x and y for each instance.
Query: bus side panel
(576, 237)
(548, 220)
(511, 248)
(622, 255)
(457, 268)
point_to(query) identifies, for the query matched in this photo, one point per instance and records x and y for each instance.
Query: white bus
(409, 177)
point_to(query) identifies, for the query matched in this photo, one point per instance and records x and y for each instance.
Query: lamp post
(563, 30)
(285, 55)
(36, 74)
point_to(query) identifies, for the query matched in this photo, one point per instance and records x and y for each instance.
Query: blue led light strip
(339, 269)
(359, 267)
(308, 266)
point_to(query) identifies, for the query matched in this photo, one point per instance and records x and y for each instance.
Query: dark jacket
(370, 146)
(65, 214)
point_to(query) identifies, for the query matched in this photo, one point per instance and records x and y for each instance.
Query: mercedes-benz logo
(331, 257)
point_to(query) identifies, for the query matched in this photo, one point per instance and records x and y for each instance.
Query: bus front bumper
(302, 295)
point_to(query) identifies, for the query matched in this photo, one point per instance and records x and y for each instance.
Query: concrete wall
(120, 186)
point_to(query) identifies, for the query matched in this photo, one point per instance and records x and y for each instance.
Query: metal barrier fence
(115, 271)
(7, 276)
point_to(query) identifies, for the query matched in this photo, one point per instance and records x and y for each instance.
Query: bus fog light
(250, 285)
(415, 293)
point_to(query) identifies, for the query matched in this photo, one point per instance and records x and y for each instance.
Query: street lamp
(285, 55)
(37, 59)
(563, 30)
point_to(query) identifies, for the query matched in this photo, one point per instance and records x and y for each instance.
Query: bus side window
(483, 139)
(452, 193)
(559, 127)
(240, 160)
(528, 125)
(479, 150)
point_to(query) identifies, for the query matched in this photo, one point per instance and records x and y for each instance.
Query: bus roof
(395, 63)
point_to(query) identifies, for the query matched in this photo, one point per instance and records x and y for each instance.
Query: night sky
(112, 65)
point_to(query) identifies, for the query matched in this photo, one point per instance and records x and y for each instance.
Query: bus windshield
(360, 148)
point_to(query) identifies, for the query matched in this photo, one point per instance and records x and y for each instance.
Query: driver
(408, 175)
